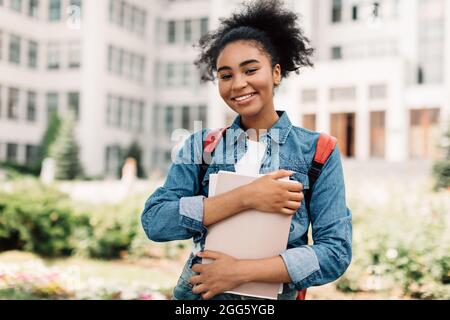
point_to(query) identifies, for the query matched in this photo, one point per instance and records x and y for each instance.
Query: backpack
(324, 148)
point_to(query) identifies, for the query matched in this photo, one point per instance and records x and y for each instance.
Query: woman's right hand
(272, 195)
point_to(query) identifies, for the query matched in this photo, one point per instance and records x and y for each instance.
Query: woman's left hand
(220, 275)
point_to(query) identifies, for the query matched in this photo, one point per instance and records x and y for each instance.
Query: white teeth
(244, 97)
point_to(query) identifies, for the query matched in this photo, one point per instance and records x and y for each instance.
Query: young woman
(250, 53)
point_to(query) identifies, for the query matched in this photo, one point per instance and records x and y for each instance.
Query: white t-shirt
(250, 163)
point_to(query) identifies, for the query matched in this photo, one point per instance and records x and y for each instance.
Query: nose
(239, 82)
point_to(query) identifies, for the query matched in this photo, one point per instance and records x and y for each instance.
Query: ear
(276, 74)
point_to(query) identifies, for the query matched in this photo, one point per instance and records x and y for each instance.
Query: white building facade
(380, 84)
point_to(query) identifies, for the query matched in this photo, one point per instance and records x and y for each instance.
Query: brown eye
(225, 76)
(250, 71)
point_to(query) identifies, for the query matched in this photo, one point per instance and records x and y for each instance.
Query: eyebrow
(240, 64)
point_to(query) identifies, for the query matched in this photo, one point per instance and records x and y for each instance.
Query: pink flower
(145, 296)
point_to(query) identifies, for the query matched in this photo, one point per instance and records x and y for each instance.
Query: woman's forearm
(264, 270)
(225, 205)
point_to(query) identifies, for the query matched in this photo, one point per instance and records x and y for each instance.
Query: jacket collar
(278, 132)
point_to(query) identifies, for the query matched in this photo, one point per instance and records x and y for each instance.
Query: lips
(243, 98)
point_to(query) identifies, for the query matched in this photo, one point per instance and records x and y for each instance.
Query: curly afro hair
(271, 27)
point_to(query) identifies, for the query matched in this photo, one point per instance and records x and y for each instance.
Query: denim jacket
(175, 210)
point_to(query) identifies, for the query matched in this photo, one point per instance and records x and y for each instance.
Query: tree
(135, 151)
(50, 134)
(441, 168)
(65, 151)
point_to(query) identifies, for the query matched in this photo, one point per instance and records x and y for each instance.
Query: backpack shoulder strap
(324, 148)
(211, 141)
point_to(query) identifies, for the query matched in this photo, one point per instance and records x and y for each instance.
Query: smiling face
(246, 78)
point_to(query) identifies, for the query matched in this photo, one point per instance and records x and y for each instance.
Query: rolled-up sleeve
(331, 221)
(191, 213)
(175, 210)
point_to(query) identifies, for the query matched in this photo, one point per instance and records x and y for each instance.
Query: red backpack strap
(211, 141)
(324, 148)
(213, 138)
(301, 295)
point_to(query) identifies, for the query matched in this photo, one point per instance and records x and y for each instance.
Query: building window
(1, 45)
(355, 13)
(141, 68)
(33, 8)
(113, 156)
(31, 106)
(135, 67)
(53, 56)
(343, 94)
(203, 26)
(120, 61)
(186, 74)
(14, 49)
(32, 154)
(11, 152)
(13, 103)
(127, 105)
(336, 53)
(119, 113)
(170, 74)
(121, 13)
(202, 115)
(336, 11)
(54, 13)
(111, 56)
(52, 104)
(32, 54)
(112, 10)
(74, 103)
(109, 110)
(185, 120)
(309, 122)
(126, 64)
(16, 5)
(171, 32)
(127, 16)
(74, 55)
(309, 96)
(141, 115)
(187, 31)
(378, 92)
(169, 120)
(1, 101)
(156, 121)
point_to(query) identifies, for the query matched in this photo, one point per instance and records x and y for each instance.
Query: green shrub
(109, 230)
(16, 169)
(38, 219)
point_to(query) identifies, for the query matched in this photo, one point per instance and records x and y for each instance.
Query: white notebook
(251, 234)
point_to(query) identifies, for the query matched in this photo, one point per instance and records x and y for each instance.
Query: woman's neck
(259, 123)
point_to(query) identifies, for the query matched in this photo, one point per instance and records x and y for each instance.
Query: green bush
(16, 169)
(441, 168)
(108, 231)
(38, 219)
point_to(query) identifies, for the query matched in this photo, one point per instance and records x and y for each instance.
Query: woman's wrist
(244, 197)
(244, 271)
